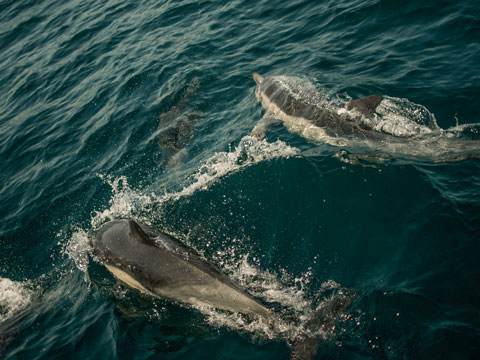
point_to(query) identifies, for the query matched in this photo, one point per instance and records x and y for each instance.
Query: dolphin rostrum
(157, 264)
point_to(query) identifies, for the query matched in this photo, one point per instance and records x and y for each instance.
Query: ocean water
(136, 109)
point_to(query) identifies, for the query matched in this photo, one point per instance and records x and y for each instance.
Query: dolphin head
(116, 239)
(123, 247)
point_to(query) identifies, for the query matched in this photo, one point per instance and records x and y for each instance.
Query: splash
(466, 131)
(124, 203)
(77, 249)
(290, 298)
(128, 202)
(250, 151)
(14, 297)
(402, 118)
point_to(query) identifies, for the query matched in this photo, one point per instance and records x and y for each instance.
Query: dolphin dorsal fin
(365, 105)
(138, 234)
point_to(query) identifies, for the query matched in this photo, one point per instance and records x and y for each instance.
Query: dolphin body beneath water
(318, 120)
(157, 264)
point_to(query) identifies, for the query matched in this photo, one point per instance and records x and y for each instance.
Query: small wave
(15, 296)
(127, 202)
(250, 151)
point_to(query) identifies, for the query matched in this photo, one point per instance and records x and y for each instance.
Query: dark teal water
(114, 109)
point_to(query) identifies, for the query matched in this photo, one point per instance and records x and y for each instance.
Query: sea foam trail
(15, 296)
(127, 202)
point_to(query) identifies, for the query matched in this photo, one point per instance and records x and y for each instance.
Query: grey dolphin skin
(157, 264)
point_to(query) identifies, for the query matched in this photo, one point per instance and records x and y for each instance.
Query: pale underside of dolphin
(344, 125)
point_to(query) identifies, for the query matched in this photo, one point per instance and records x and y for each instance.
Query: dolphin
(177, 126)
(358, 124)
(157, 264)
(286, 104)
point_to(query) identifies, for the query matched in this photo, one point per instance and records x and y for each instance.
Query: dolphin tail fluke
(306, 348)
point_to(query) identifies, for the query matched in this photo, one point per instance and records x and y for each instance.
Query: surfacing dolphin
(369, 124)
(157, 264)
(279, 98)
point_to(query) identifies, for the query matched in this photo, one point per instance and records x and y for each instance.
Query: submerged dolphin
(370, 124)
(177, 127)
(157, 264)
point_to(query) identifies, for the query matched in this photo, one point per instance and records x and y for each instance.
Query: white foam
(401, 117)
(77, 248)
(249, 151)
(14, 296)
(289, 298)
